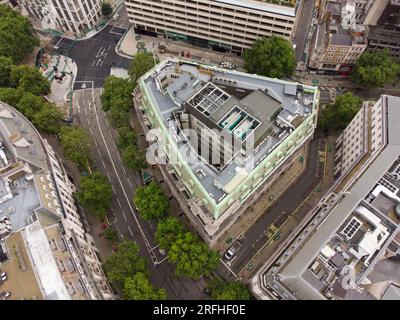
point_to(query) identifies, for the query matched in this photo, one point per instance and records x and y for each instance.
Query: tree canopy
(338, 115)
(124, 263)
(48, 118)
(168, 231)
(76, 145)
(138, 287)
(220, 290)
(151, 201)
(106, 9)
(375, 69)
(272, 57)
(10, 95)
(95, 194)
(126, 137)
(111, 234)
(118, 92)
(192, 257)
(134, 158)
(29, 104)
(5, 71)
(17, 37)
(141, 63)
(29, 79)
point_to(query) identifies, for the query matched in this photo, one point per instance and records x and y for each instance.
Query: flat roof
(265, 6)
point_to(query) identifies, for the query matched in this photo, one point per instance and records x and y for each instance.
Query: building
(224, 135)
(350, 247)
(339, 39)
(223, 25)
(383, 22)
(45, 245)
(70, 16)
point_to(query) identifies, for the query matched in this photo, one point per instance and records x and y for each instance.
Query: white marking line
(129, 182)
(119, 157)
(159, 262)
(93, 63)
(97, 64)
(130, 231)
(119, 203)
(98, 151)
(123, 213)
(228, 268)
(95, 144)
(85, 111)
(109, 47)
(146, 241)
(124, 170)
(61, 39)
(107, 173)
(91, 131)
(79, 108)
(102, 62)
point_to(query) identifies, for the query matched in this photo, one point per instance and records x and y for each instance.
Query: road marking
(108, 174)
(98, 151)
(109, 47)
(79, 108)
(124, 170)
(146, 241)
(102, 62)
(96, 144)
(130, 231)
(119, 203)
(93, 62)
(228, 268)
(97, 64)
(123, 213)
(91, 131)
(61, 39)
(159, 262)
(129, 182)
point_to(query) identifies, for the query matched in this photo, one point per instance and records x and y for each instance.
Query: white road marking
(228, 268)
(91, 131)
(119, 203)
(129, 182)
(61, 39)
(123, 213)
(98, 151)
(124, 170)
(93, 63)
(108, 174)
(102, 62)
(130, 231)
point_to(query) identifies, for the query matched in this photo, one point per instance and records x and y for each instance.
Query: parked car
(231, 252)
(3, 276)
(4, 295)
(115, 17)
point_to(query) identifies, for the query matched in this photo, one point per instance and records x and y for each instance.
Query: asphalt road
(94, 56)
(255, 237)
(124, 216)
(306, 13)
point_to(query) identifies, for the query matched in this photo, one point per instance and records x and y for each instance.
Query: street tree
(141, 63)
(126, 137)
(29, 104)
(10, 96)
(111, 234)
(134, 158)
(76, 145)
(29, 79)
(48, 118)
(17, 37)
(192, 257)
(138, 287)
(106, 9)
(95, 194)
(221, 290)
(338, 115)
(376, 69)
(5, 71)
(151, 201)
(126, 262)
(117, 92)
(271, 57)
(168, 231)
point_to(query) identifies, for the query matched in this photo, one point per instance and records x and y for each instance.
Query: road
(94, 56)
(124, 216)
(255, 237)
(301, 33)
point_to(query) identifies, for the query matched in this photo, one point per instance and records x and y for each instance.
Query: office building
(224, 135)
(350, 246)
(223, 25)
(45, 245)
(70, 16)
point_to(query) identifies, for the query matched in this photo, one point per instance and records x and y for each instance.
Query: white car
(115, 17)
(3, 276)
(229, 254)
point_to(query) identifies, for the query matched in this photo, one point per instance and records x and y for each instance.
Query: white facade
(73, 16)
(231, 25)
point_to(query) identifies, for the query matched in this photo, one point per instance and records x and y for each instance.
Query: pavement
(94, 57)
(124, 216)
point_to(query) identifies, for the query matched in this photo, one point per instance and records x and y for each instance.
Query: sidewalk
(128, 48)
(252, 214)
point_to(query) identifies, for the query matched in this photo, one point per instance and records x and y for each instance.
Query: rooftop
(241, 104)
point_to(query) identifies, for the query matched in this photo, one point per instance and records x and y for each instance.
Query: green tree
(17, 37)
(151, 201)
(142, 62)
(338, 115)
(29, 79)
(124, 263)
(95, 194)
(118, 117)
(106, 9)
(48, 118)
(192, 257)
(138, 287)
(272, 57)
(220, 290)
(10, 96)
(5, 71)
(168, 231)
(126, 137)
(29, 104)
(111, 234)
(76, 145)
(134, 158)
(117, 92)
(374, 70)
